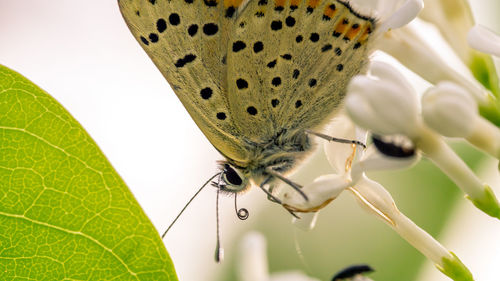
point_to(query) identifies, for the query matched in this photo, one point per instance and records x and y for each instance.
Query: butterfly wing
(187, 40)
(289, 62)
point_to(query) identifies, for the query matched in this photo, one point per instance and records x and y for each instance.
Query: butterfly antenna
(219, 251)
(187, 204)
(241, 213)
(295, 186)
(329, 138)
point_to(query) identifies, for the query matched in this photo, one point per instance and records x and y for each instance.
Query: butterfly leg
(329, 138)
(273, 199)
(294, 185)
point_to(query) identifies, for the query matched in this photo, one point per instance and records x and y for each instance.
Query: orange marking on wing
(341, 26)
(330, 11)
(367, 31)
(232, 3)
(294, 3)
(279, 3)
(353, 31)
(313, 3)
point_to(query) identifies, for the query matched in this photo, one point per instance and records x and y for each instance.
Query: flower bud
(322, 190)
(484, 40)
(385, 104)
(449, 110)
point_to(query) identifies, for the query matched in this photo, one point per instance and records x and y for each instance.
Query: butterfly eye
(232, 177)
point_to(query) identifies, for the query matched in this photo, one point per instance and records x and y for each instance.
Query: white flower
(405, 13)
(449, 110)
(453, 19)
(348, 164)
(390, 106)
(410, 46)
(391, 14)
(484, 40)
(351, 167)
(397, 111)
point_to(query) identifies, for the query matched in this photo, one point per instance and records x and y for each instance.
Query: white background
(82, 53)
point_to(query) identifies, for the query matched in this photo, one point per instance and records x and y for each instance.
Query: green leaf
(65, 214)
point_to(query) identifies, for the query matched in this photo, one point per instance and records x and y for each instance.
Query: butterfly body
(256, 74)
(282, 152)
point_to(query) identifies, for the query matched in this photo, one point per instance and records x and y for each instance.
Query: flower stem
(378, 201)
(448, 161)
(454, 167)
(486, 137)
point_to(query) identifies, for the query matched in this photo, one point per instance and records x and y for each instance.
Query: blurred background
(82, 53)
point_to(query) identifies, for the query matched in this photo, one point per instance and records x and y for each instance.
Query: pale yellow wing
(187, 40)
(289, 63)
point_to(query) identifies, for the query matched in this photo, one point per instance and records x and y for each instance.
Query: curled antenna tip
(243, 214)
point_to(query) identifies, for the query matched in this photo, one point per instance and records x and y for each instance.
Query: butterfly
(256, 76)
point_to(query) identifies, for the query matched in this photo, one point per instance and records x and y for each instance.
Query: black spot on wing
(153, 37)
(241, 84)
(210, 29)
(161, 25)
(221, 115)
(276, 25)
(174, 19)
(276, 81)
(326, 47)
(238, 46)
(144, 40)
(192, 30)
(252, 110)
(206, 93)
(210, 3)
(314, 37)
(185, 60)
(258, 46)
(230, 12)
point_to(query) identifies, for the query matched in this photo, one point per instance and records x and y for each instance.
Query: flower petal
(322, 190)
(453, 18)
(449, 110)
(389, 105)
(484, 40)
(406, 13)
(409, 45)
(338, 153)
(373, 160)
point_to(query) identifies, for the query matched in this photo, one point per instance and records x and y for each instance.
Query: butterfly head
(232, 179)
